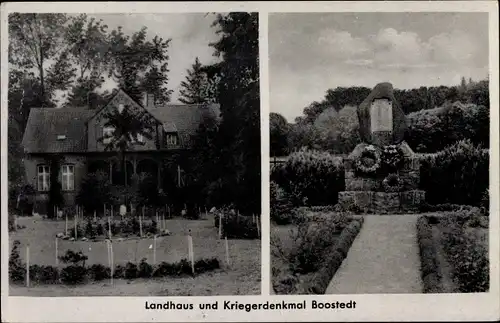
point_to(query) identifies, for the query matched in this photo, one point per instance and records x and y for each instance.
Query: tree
(140, 65)
(238, 139)
(278, 134)
(89, 52)
(194, 90)
(37, 45)
(128, 125)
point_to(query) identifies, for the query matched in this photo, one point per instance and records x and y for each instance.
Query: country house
(75, 134)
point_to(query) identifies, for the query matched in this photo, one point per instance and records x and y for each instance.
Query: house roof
(46, 124)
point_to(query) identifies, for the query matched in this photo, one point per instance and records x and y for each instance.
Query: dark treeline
(331, 124)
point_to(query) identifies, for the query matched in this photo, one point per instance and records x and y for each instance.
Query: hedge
(429, 269)
(458, 175)
(338, 252)
(311, 177)
(78, 273)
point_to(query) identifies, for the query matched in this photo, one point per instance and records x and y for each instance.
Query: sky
(191, 34)
(312, 52)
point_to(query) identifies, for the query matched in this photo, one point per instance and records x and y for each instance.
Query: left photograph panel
(134, 154)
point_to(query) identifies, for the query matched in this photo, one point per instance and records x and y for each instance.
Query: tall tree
(238, 95)
(89, 52)
(37, 45)
(140, 65)
(195, 89)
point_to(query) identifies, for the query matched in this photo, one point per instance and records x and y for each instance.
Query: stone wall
(382, 202)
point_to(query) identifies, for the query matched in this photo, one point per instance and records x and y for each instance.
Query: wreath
(392, 183)
(392, 157)
(368, 161)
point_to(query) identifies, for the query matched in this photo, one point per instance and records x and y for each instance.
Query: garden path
(384, 258)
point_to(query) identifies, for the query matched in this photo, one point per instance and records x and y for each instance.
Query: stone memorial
(382, 174)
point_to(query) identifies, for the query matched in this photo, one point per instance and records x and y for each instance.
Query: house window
(107, 134)
(138, 139)
(172, 140)
(43, 176)
(68, 177)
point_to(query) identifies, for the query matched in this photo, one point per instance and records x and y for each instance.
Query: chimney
(92, 100)
(149, 100)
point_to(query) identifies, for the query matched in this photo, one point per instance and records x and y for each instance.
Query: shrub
(75, 258)
(95, 191)
(45, 274)
(73, 274)
(17, 272)
(469, 259)
(281, 207)
(99, 272)
(459, 174)
(145, 270)
(311, 177)
(239, 227)
(429, 269)
(314, 236)
(131, 271)
(26, 199)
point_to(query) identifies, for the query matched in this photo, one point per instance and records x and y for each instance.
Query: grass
(242, 277)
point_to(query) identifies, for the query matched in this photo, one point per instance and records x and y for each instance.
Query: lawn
(242, 277)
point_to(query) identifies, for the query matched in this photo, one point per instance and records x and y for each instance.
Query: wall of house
(96, 125)
(31, 163)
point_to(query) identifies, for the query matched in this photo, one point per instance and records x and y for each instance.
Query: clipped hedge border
(77, 274)
(321, 279)
(429, 268)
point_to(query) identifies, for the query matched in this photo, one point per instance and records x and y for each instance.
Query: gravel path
(384, 258)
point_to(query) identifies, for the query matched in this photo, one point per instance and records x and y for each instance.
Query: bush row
(335, 257)
(468, 258)
(459, 174)
(429, 268)
(77, 273)
(310, 177)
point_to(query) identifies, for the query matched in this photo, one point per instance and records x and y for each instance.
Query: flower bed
(299, 262)
(99, 230)
(75, 272)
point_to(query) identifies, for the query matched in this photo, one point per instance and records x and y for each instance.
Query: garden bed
(241, 277)
(454, 252)
(306, 255)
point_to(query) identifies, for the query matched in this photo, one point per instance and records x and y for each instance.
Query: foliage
(311, 177)
(278, 134)
(197, 88)
(128, 227)
(73, 274)
(17, 271)
(459, 174)
(429, 269)
(236, 226)
(314, 236)
(95, 191)
(139, 65)
(75, 258)
(469, 259)
(128, 125)
(237, 148)
(281, 207)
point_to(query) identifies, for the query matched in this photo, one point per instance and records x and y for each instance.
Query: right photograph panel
(379, 152)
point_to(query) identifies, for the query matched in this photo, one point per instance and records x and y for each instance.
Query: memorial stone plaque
(381, 115)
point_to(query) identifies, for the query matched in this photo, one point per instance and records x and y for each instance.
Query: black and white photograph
(379, 152)
(134, 154)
